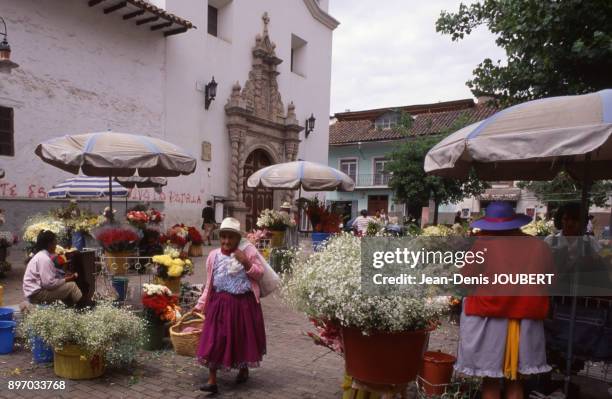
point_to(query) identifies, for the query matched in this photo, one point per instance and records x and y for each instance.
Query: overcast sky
(388, 53)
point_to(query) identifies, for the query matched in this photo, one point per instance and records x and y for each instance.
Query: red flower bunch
(137, 218)
(321, 218)
(117, 239)
(194, 235)
(155, 216)
(178, 235)
(162, 306)
(328, 335)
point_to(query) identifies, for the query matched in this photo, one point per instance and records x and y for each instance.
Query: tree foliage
(410, 182)
(553, 47)
(564, 189)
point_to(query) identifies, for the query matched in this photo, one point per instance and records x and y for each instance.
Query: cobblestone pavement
(293, 368)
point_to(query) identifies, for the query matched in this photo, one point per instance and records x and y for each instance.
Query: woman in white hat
(234, 336)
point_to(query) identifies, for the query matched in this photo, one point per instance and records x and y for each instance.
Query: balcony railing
(373, 180)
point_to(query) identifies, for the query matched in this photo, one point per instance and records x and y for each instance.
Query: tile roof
(348, 129)
(142, 12)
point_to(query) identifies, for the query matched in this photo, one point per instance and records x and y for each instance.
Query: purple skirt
(233, 336)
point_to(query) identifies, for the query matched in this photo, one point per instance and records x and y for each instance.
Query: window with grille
(7, 146)
(381, 176)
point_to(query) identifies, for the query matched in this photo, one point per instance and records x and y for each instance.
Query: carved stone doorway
(259, 198)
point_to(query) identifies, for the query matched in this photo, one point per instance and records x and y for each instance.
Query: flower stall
(170, 267)
(119, 244)
(276, 222)
(159, 306)
(85, 343)
(383, 337)
(324, 222)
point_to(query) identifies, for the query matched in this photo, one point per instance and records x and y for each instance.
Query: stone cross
(266, 20)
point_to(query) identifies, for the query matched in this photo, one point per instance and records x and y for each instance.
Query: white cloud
(388, 53)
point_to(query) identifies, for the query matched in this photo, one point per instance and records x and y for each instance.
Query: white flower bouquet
(540, 228)
(274, 220)
(327, 286)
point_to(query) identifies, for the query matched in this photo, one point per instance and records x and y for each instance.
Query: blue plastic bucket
(319, 240)
(7, 336)
(120, 285)
(41, 352)
(6, 314)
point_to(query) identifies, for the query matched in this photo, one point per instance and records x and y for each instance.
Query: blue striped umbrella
(86, 187)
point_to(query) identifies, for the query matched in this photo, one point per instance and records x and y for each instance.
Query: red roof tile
(348, 129)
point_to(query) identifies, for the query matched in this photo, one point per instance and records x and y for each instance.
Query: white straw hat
(231, 224)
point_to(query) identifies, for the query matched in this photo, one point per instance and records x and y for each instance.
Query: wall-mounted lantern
(5, 50)
(210, 92)
(310, 125)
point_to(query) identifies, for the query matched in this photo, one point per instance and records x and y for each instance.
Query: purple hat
(500, 215)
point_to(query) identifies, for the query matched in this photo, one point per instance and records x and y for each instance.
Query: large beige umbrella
(532, 141)
(113, 154)
(305, 175)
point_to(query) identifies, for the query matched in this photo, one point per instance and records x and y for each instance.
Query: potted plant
(119, 244)
(324, 222)
(170, 267)
(384, 337)
(85, 343)
(160, 306)
(195, 238)
(276, 222)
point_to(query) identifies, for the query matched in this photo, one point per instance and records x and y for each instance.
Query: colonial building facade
(148, 68)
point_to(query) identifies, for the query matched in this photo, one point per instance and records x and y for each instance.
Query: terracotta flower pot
(437, 372)
(382, 357)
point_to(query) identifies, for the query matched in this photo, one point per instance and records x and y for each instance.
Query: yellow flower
(175, 271)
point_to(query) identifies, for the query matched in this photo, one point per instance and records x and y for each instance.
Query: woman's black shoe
(242, 377)
(212, 388)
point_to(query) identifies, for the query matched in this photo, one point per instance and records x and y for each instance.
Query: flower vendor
(42, 281)
(501, 335)
(233, 336)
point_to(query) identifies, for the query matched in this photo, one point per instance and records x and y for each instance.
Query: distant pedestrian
(360, 225)
(589, 227)
(458, 219)
(208, 223)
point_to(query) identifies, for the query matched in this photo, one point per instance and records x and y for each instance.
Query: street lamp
(5, 51)
(210, 92)
(310, 125)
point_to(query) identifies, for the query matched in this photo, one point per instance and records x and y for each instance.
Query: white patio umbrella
(86, 187)
(535, 141)
(305, 175)
(111, 154)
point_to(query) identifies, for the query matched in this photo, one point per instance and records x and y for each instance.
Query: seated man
(42, 281)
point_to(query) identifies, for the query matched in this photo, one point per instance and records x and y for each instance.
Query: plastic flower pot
(41, 352)
(118, 262)
(382, 357)
(6, 314)
(437, 372)
(120, 284)
(7, 336)
(70, 362)
(319, 239)
(173, 283)
(155, 336)
(277, 238)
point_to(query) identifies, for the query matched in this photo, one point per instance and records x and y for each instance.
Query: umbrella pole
(582, 251)
(110, 196)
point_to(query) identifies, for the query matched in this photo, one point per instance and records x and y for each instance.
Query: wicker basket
(196, 250)
(186, 344)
